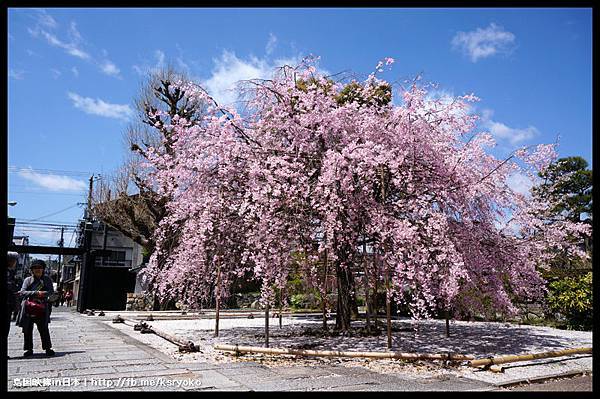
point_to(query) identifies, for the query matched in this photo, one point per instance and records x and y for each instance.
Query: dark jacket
(28, 291)
(11, 289)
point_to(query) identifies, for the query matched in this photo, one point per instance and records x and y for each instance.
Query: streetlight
(12, 203)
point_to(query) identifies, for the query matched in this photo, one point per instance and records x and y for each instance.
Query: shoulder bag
(35, 308)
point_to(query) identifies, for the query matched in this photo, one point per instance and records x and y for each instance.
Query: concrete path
(581, 383)
(92, 356)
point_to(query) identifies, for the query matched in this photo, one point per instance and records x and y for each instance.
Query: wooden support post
(324, 299)
(218, 302)
(367, 301)
(375, 301)
(280, 306)
(447, 314)
(267, 326)
(388, 310)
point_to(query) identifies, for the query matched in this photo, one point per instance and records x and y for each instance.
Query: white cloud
(182, 64)
(271, 44)
(101, 108)
(70, 48)
(74, 33)
(229, 70)
(16, 74)
(520, 183)
(483, 43)
(513, 135)
(486, 114)
(78, 53)
(145, 69)
(53, 182)
(438, 100)
(34, 32)
(73, 46)
(160, 57)
(55, 73)
(110, 69)
(39, 236)
(75, 71)
(500, 131)
(45, 19)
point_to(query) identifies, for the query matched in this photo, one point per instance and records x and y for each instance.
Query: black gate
(109, 287)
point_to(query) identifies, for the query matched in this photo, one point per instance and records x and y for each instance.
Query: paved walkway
(93, 356)
(581, 383)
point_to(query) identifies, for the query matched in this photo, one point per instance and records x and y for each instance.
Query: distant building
(70, 273)
(24, 260)
(110, 278)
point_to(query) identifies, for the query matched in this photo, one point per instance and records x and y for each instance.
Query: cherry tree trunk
(324, 296)
(344, 298)
(280, 307)
(267, 326)
(218, 302)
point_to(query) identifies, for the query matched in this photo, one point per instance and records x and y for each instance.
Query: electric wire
(15, 169)
(55, 213)
(45, 194)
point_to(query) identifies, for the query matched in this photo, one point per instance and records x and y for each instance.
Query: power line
(56, 213)
(14, 169)
(72, 235)
(44, 193)
(18, 184)
(35, 226)
(53, 222)
(44, 228)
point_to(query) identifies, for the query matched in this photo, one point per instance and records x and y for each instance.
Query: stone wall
(141, 301)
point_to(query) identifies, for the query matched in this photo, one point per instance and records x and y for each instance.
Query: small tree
(572, 298)
(130, 201)
(567, 186)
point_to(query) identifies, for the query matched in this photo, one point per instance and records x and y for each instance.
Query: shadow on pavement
(42, 355)
(477, 339)
(546, 362)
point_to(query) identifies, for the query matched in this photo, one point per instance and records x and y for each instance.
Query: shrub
(297, 301)
(571, 297)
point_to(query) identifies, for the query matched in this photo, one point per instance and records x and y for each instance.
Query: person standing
(34, 293)
(69, 297)
(11, 293)
(61, 298)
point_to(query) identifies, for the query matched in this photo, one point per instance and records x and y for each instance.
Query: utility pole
(88, 210)
(61, 244)
(104, 244)
(83, 295)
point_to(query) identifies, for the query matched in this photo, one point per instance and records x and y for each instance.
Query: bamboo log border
(532, 356)
(488, 363)
(183, 345)
(318, 353)
(211, 315)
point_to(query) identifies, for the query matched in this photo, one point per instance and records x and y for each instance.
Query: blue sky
(73, 74)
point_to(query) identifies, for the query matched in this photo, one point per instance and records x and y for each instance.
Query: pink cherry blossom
(300, 173)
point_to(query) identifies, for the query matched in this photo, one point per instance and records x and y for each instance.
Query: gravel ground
(480, 339)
